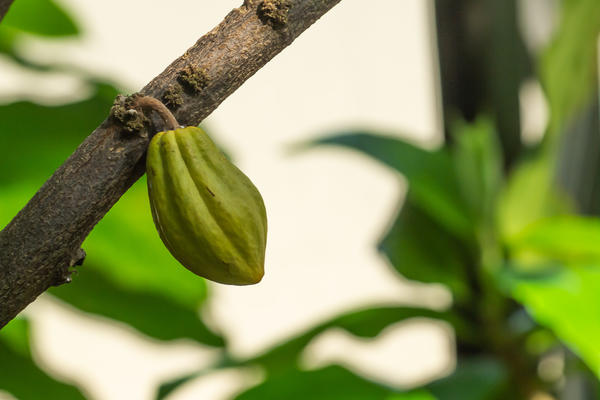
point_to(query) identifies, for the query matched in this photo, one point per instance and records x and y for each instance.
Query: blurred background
(431, 176)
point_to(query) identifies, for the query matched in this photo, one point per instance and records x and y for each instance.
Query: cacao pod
(207, 212)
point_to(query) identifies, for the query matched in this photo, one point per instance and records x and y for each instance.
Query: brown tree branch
(4, 6)
(43, 241)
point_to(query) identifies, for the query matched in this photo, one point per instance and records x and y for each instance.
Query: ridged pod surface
(207, 212)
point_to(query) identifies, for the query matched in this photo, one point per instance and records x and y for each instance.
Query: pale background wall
(367, 66)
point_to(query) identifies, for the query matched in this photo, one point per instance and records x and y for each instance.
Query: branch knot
(126, 112)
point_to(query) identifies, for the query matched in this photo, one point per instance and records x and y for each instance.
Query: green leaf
(567, 301)
(530, 195)
(148, 312)
(430, 174)
(569, 239)
(422, 250)
(473, 379)
(364, 323)
(417, 394)
(328, 383)
(129, 271)
(36, 139)
(20, 376)
(12, 199)
(39, 17)
(478, 162)
(569, 66)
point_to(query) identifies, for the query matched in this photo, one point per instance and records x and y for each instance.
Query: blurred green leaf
(329, 383)
(569, 239)
(567, 301)
(430, 174)
(364, 323)
(20, 376)
(148, 312)
(473, 379)
(529, 196)
(478, 162)
(129, 271)
(12, 199)
(420, 249)
(8, 38)
(36, 139)
(569, 66)
(39, 17)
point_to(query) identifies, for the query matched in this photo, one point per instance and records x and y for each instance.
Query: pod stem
(163, 112)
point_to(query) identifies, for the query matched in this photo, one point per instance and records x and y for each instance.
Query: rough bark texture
(4, 6)
(38, 247)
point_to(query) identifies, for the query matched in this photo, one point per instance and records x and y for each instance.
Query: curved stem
(162, 110)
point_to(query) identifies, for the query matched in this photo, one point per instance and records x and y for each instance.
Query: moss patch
(193, 78)
(274, 13)
(173, 97)
(124, 112)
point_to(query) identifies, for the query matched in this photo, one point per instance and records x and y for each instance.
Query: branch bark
(4, 6)
(38, 247)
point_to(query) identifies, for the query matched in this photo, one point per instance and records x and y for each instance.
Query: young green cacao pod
(207, 212)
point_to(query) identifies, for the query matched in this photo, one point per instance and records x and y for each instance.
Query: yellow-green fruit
(207, 212)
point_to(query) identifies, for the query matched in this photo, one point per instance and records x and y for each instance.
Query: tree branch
(43, 241)
(4, 6)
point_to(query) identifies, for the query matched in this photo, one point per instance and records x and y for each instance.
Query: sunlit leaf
(569, 239)
(39, 17)
(530, 195)
(430, 174)
(20, 376)
(567, 301)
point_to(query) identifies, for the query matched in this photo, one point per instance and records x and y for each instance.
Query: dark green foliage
(329, 383)
(24, 123)
(94, 293)
(473, 379)
(39, 17)
(420, 249)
